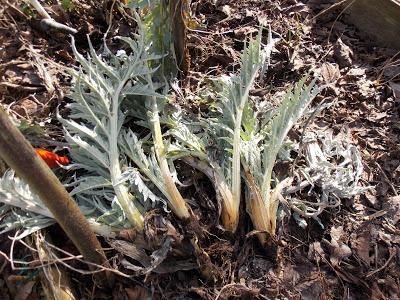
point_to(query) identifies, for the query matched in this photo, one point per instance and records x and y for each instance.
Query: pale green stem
(236, 163)
(269, 162)
(178, 205)
(236, 178)
(125, 199)
(266, 187)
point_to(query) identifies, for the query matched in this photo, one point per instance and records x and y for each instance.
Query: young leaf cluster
(101, 145)
(119, 174)
(262, 146)
(116, 177)
(333, 165)
(220, 146)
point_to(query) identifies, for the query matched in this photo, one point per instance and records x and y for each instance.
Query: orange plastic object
(51, 158)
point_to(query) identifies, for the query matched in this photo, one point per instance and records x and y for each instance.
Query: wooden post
(377, 19)
(20, 156)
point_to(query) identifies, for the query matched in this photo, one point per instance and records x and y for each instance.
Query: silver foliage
(21, 209)
(95, 129)
(333, 165)
(265, 135)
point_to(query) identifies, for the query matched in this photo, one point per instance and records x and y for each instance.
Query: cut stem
(231, 215)
(258, 210)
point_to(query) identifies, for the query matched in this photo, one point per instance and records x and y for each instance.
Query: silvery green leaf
(135, 178)
(84, 131)
(234, 110)
(22, 210)
(92, 151)
(107, 69)
(289, 111)
(25, 222)
(15, 192)
(142, 90)
(96, 125)
(90, 183)
(185, 137)
(146, 164)
(336, 166)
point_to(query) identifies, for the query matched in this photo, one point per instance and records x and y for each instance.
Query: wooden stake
(16, 151)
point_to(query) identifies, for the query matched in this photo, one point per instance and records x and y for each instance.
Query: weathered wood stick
(20, 156)
(48, 21)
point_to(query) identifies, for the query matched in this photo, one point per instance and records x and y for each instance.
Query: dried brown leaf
(363, 239)
(343, 53)
(244, 31)
(392, 205)
(330, 73)
(315, 252)
(136, 293)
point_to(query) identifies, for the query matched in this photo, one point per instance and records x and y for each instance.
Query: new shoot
(263, 138)
(217, 151)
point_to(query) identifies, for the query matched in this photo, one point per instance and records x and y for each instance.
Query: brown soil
(357, 253)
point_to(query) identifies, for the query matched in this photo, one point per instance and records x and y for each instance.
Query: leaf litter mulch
(353, 254)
